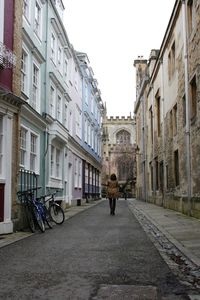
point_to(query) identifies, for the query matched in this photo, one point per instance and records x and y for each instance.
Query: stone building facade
(119, 152)
(167, 113)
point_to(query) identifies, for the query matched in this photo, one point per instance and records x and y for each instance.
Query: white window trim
(28, 150)
(53, 175)
(79, 174)
(65, 116)
(59, 117)
(26, 91)
(52, 104)
(38, 100)
(53, 57)
(28, 17)
(60, 62)
(38, 34)
(65, 72)
(76, 173)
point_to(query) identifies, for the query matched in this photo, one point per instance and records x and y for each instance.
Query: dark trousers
(112, 202)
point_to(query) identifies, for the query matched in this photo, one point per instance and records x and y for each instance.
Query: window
(1, 145)
(158, 111)
(86, 93)
(184, 110)
(92, 103)
(52, 102)
(176, 167)
(23, 146)
(65, 116)
(151, 123)
(52, 160)
(24, 72)
(89, 132)
(79, 174)
(65, 70)
(59, 58)
(123, 137)
(191, 16)
(78, 122)
(156, 169)
(33, 152)
(76, 78)
(161, 176)
(35, 87)
(167, 176)
(76, 173)
(171, 61)
(86, 173)
(85, 129)
(171, 123)
(91, 135)
(53, 47)
(29, 150)
(59, 109)
(37, 20)
(70, 122)
(193, 95)
(26, 9)
(55, 162)
(151, 174)
(175, 121)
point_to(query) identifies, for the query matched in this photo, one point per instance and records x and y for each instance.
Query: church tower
(119, 156)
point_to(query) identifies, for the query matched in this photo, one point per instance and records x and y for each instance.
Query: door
(1, 202)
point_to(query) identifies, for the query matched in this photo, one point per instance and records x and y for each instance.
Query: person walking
(112, 192)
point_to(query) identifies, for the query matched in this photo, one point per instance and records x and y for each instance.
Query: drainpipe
(143, 149)
(187, 127)
(46, 134)
(163, 131)
(153, 146)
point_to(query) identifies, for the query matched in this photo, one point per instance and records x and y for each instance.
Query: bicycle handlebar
(49, 195)
(28, 191)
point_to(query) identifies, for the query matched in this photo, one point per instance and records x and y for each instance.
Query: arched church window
(123, 137)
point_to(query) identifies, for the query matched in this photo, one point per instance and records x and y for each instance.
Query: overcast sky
(113, 33)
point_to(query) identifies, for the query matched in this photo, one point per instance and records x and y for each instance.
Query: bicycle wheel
(30, 218)
(57, 214)
(48, 219)
(38, 218)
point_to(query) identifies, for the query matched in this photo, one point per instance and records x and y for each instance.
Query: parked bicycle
(55, 211)
(35, 211)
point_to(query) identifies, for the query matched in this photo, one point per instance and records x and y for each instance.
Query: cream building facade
(167, 113)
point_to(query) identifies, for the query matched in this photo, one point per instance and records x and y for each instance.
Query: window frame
(25, 73)
(37, 26)
(27, 150)
(35, 84)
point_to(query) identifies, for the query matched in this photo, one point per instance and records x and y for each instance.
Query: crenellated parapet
(120, 118)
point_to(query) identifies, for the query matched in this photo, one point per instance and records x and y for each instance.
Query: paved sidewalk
(179, 229)
(7, 239)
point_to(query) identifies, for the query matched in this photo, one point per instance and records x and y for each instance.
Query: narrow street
(91, 256)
